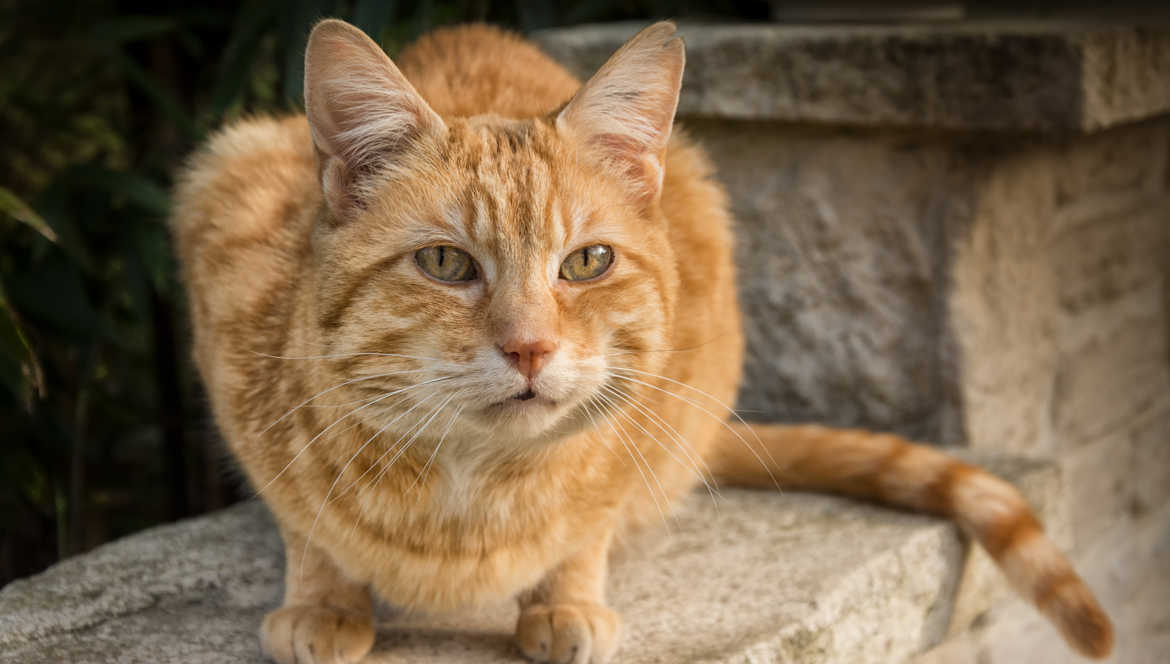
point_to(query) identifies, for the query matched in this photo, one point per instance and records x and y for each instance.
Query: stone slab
(1126, 565)
(759, 577)
(966, 75)
(842, 254)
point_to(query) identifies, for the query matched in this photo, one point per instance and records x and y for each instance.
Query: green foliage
(104, 426)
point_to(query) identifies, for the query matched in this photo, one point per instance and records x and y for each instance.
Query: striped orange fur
(437, 411)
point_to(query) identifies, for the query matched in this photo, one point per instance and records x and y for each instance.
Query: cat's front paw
(568, 633)
(316, 635)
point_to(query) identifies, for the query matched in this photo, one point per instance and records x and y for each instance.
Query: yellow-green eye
(446, 263)
(587, 263)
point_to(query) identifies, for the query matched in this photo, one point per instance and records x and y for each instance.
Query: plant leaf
(253, 19)
(20, 370)
(11, 204)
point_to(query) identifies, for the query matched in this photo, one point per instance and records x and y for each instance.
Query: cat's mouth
(524, 399)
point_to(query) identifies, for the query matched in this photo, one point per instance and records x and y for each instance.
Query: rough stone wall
(1060, 309)
(1005, 292)
(843, 249)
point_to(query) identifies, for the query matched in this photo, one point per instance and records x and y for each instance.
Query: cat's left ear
(362, 111)
(624, 114)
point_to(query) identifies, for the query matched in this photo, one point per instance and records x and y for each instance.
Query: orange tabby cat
(431, 320)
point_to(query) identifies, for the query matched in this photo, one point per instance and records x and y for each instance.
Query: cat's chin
(530, 419)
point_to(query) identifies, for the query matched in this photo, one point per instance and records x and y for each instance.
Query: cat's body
(448, 442)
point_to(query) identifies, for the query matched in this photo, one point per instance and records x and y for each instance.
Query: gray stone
(967, 75)
(842, 252)
(1126, 565)
(970, 289)
(760, 577)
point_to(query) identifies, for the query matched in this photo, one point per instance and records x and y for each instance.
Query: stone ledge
(795, 578)
(969, 75)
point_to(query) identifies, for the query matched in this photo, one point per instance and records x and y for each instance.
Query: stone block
(1126, 74)
(1109, 275)
(1116, 163)
(1122, 476)
(842, 254)
(1126, 565)
(760, 577)
(1105, 386)
(970, 75)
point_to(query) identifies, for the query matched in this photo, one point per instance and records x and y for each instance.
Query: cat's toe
(316, 635)
(568, 633)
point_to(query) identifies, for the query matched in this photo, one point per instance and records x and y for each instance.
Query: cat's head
(490, 273)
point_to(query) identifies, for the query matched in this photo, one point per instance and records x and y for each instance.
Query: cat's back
(243, 208)
(476, 69)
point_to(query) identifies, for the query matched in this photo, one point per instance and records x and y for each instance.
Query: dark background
(103, 423)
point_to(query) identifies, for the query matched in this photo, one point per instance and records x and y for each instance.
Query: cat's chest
(464, 491)
(476, 496)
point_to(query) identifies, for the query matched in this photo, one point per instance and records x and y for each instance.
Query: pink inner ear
(633, 161)
(335, 185)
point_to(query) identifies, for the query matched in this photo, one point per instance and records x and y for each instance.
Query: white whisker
(691, 463)
(340, 474)
(726, 407)
(336, 387)
(393, 445)
(335, 422)
(631, 448)
(389, 464)
(342, 356)
(427, 466)
(733, 432)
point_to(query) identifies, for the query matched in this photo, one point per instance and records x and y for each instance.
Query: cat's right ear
(362, 111)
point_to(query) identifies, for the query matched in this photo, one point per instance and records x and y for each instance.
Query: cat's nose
(529, 357)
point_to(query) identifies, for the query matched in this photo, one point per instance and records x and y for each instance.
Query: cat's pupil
(587, 263)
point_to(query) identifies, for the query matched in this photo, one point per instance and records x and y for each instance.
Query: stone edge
(997, 76)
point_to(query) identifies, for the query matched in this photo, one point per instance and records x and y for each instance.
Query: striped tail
(890, 469)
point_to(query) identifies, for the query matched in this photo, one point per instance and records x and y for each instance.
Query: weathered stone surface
(842, 248)
(1061, 311)
(1126, 565)
(1060, 314)
(763, 577)
(964, 75)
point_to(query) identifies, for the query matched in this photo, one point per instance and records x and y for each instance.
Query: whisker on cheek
(722, 422)
(315, 438)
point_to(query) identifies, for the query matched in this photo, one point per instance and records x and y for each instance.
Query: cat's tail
(892, 470)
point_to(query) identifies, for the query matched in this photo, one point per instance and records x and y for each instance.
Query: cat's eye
(587, 263)
(446, 263)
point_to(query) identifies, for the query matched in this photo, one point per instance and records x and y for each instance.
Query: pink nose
(529, 357)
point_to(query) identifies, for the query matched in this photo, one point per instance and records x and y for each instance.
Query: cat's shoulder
(245, 175)
(249, 138)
